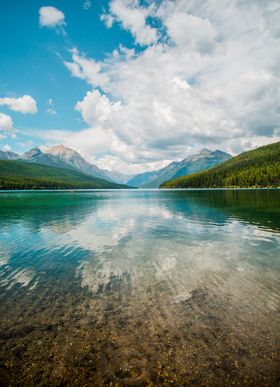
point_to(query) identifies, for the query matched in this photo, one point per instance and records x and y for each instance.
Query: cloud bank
(207, 74)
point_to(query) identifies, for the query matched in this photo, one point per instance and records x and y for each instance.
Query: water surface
(142, 287)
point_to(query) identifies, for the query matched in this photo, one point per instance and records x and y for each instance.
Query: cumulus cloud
(133, 18)
(25, 104)
(101, 147)
(6, 123)
(7, 148)
(51, 17)
(191, 32)
(212, 79)
(96, 108)
(87, 69)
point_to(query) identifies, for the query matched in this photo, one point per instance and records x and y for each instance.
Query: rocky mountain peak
(31, 153)
(68, 155)
(8, 155)
(61, 150)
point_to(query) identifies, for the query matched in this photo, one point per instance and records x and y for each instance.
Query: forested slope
(256, 168)
(24, 175)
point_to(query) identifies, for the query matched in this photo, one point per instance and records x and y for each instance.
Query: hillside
(196, 162)
(23, 175)
(36, 156)
(257, 168)
(62, 157)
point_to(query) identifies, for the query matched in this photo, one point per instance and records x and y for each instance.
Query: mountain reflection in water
(140, 287)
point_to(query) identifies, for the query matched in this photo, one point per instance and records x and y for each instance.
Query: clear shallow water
(140, 288)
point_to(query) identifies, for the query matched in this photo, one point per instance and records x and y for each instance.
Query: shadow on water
(139, 288)
(45, 208)
(259, 207)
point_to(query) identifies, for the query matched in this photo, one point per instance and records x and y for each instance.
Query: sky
(132, 84)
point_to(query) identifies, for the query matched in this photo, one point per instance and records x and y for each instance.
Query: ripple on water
(155, 288)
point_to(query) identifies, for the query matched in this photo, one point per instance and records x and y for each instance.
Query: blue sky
(32, 61)
(133, 85)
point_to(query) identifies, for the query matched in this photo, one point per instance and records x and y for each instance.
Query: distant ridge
(18, 174)
(76, 161)
(73, 159)
(203, 159)
(257, 168)
(35, 155)
(62, 157)
(7, 155)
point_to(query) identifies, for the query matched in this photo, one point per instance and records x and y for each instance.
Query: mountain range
(62, 167)
(66, 158)
(258, 168)
(7, 155)
(62, 157)
(204, 159)
(19, 174)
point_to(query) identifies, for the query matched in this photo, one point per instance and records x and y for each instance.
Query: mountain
(117, 177)
(62, 157)
(26, 175)
(7, 155)
(256, 168)
(36, 156)
(202, 160)
(73, 159)
(141, 179)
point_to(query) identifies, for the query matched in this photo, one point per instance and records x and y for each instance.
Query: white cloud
(51, 17)
(101, 147)
(214, 82)
(191, 32)
(96, 108)
(51, 112)
(114, 163)
(92, 142)
(133, 18)
(6, 123)
(87, 69)
(7, 148)
(87, 5)
(180, 83)
(107, 19)
(25, 104)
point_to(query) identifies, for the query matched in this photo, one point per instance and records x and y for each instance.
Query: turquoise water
(146, 287)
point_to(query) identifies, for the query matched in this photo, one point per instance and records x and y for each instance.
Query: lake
(140, 287)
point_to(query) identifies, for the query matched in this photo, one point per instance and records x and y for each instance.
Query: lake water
(140, 288)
